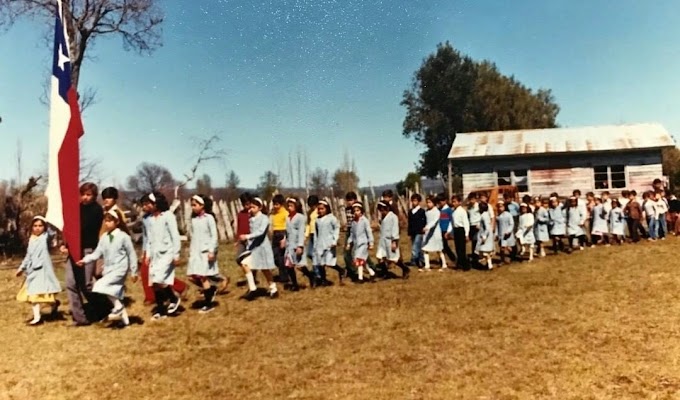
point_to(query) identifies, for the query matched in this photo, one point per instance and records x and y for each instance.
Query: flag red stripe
(69, 177)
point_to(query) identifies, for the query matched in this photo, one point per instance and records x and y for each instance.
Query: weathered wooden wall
(564, 173)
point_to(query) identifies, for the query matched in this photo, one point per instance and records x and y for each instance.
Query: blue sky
(272, 76)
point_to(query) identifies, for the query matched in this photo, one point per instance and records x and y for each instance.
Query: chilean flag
(66, 128)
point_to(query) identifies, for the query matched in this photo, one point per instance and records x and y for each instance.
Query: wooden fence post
(219, 219)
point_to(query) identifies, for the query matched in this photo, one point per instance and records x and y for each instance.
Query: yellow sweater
(278, 220)
(311, 226)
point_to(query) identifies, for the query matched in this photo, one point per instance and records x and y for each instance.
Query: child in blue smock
(600, 230)
(506, 231)
(162, 250)
(258, 255)
(361, 241)
(115, 248)
(326, 236)
(203, 266)
(294, 256)
(485, 237)
(41, 283)
(525, 231)
(557, 223)
(617, 223)
(433, 238)
(388, 245)
(542, 219)
(576, 220)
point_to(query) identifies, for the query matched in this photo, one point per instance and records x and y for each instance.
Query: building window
(519, 178)
(610, 177)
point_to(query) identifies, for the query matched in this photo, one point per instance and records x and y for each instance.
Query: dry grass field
(599, 324)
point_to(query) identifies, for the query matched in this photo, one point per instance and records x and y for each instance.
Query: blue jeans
(662, 225)
(417, 250)
(310, 255)
(653, 227)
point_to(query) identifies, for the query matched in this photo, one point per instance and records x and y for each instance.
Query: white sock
(360, 271)
(426, 256)
(531, 253)
(251, 281)
(272, 287)
(370, 271)
(443, 258)
(490, 262)
(117, 305)
(36, 312)
(125, 318)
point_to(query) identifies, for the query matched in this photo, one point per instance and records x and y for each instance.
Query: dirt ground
(598, 324)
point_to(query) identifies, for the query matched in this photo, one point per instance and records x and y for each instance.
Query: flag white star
(62, 58)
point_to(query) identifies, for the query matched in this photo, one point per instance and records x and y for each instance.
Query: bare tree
(89, 168)
(208, 150)
(136, 22)
(298, 158)
(149, 178)
(204, 185)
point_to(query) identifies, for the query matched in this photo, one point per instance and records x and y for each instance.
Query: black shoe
(274, 295)
(206, 308)
(78, 324)
(406, 273)
(250, 296)
(55, 308)
(326, 283)
(294, 288)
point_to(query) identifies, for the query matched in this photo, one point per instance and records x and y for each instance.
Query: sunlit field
(601, 323)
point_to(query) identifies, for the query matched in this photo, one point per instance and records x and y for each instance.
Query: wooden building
(542, 161)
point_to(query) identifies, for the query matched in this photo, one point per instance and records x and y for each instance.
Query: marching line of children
(569, 225)
(512, 231)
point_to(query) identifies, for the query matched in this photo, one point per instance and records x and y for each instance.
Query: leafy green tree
(410, 182)
(671, 168)
(232, 186)
(204, 185)
(269, 184)
(319, 182)
(453, 93)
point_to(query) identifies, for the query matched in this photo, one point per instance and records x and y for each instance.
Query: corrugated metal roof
(560, 140)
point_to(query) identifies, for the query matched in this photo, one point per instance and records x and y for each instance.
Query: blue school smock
(541, 225)
(389, 232)
(204, 240)
(600, 218)
(432, 241)
(164, 246)
(506, 225)
(295, 238)
(513, 209)
(119, 257)
(360, 237)
(485, 236)
(575, 219)
(525, 233)
(326, 240)
(617, 221)
(38, 269)
(262, 255)
(557, 221)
